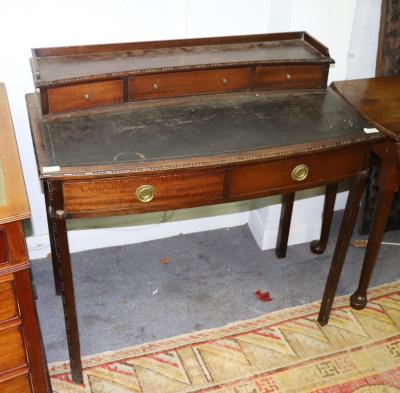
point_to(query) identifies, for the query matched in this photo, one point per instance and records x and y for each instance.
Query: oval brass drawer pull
(145, 193)
(300, 172)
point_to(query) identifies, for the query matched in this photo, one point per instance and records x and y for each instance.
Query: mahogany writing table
(191, 151)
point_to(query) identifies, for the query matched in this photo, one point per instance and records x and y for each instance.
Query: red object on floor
(264, 296)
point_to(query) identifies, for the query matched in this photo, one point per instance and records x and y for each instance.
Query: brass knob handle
(225, 81)
(145, 193)
(156, 86)
(300, 172)
(288, 77)
(86, 97)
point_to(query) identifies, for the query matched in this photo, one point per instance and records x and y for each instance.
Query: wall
(43, 23)
(364, 40)
(350, 30)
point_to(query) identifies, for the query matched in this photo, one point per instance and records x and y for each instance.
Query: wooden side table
(23, 367)
(378, 100)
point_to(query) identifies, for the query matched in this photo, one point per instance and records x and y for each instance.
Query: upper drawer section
(291, 77)
(175, 84)
(164, 68)
(86, 95)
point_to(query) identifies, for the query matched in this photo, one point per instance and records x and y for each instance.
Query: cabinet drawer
(12, 351)
(143, 194)
(277, 176)
(176, 84)
(291, 77)
(12, 244)
(8, 302)
(21, 384)
(86, 95)
(4, 254)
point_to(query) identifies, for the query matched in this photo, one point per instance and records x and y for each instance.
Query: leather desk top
(178, 133)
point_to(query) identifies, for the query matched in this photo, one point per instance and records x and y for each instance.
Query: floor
(139, 293)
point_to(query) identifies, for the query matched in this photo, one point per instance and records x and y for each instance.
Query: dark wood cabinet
(23, 367)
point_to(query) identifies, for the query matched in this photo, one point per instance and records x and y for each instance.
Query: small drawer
(4, 253)
(291, 77)
(8, 301)
(87, 95)
(175, 84)
(143, 193)
(295, 173)
(12, 350)
(21, 384)
(12, 244)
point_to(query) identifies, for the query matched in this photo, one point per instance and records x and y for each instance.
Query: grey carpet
(125, 296)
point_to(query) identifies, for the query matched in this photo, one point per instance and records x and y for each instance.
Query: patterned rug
(286, 351)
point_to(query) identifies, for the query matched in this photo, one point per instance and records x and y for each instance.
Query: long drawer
(175, 84)
(144, 193)
(299, 172)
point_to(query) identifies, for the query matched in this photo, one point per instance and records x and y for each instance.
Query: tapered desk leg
(284, 225)
(383, 204)
(66, 280)
(346, 230)
(388, 182)
(319, 246)
(50, 222)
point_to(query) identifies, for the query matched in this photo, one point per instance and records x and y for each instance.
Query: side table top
(13, 201)
(193, 132)
(378, 99)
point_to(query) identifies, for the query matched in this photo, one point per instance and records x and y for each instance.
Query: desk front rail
(198, 187)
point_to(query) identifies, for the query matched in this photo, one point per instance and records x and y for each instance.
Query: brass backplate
(145, 193)
(300, 172)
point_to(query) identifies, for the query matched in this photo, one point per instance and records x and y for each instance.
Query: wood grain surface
(15, 204)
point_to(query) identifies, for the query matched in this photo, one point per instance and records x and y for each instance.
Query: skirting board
(305, 225)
